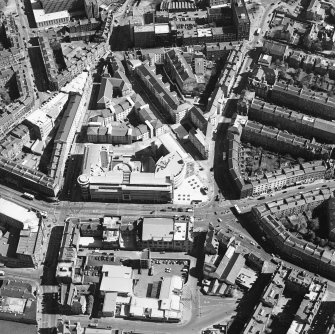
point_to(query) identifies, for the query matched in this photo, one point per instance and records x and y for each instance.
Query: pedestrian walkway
(189, 191)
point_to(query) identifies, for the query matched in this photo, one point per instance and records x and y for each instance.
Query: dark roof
(68, 118)
(159, 87)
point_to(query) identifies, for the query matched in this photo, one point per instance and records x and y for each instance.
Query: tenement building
(303, 253)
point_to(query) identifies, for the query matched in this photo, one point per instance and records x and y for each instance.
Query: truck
(2, 273)
(189, 210)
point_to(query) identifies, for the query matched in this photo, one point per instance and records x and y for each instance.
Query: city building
(24, 232)
(84, 29)
(144, 36)
(308, 290)
(22, 176)
(281, 141)
(180, 71)
(315, 11)
(111, 175)
(314, 103)
(167, 307)
(241, 19)
(68, 252)
(198, 120)
(65, 134)
(218, 50)
(303, 253)
(161, 91)
(167, 234)
(292, 121)
(54, 6)
(18, 301)
(44, 20)
(275, 49)
(116, 279)
(91, 8)
(198, 139)
(40, 123)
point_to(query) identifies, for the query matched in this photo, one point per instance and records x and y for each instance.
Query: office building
(167, 234)
(54, 6)
(114, 176)
(24, 247)
(144, 36)
(40, 124)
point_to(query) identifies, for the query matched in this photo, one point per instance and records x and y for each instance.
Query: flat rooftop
(18, 213)
(158, 229)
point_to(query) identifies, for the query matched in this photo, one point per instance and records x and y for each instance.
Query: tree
(323, 242)
(3, 4)
(307, 42)
(310, 236)
(313, 224)
(4, 95)
(317, 46)
(90, 302)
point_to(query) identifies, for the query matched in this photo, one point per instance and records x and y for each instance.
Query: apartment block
(198, 139)
(311, 102)
(161, 91)
(180, 71)
(299, 251)
(292, 121)
(280, 141)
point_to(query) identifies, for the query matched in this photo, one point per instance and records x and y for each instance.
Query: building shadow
(247, 304)
(51, 257)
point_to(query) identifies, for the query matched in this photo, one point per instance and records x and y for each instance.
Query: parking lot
(161, 268)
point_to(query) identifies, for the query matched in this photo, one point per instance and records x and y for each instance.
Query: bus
(28, 196)
(237, 209)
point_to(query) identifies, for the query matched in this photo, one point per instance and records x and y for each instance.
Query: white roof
(162, 28)
(116, 284)
(77, 84)
(41, 16)
(18, 213)
(38, 118)
(168, 285)
(117, 271)
(171, 144)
